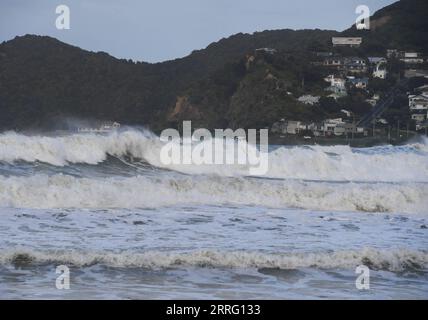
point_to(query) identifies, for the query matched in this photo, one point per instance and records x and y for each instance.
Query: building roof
(355, 59)
(346, 40)
(420, 96)
(376, 60)
(421, 88)
(410, 73)
(358, 80)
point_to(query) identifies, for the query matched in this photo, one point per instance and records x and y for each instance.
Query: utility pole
(398, 129)
(374, 126)
(407, 130)
(389, 133)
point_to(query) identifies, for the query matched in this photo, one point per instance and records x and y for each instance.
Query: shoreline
(331, 141)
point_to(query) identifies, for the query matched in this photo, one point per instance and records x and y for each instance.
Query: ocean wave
(65, 191)
(392, 260)
(340, 163)
(75, 148)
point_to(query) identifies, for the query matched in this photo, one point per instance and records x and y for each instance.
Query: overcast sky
(158, 30)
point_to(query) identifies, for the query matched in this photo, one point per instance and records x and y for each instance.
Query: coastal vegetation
(231, 83)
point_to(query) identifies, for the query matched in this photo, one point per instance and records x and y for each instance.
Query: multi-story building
(418, 105)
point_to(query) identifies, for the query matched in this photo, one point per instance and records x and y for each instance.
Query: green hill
(43, 80)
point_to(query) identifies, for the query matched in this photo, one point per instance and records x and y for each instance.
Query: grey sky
(157, 30)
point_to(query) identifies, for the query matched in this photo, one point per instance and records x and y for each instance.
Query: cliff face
(183, 110)
(228, 84)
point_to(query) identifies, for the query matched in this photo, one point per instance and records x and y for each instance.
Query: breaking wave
(340, 178)
(392, 260)
(66, 191)
(340, 163)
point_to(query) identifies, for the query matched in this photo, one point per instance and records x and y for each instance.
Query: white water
(340, 163)
(391, 260)
(65, 191)
(129, 226)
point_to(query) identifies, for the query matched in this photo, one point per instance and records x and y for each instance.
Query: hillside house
(335, 81)
(418, 105)
(360, 83)
(337, 92)
(335, 62)
(353, 128)
(330, 127)
(346, 41)
(288, 127)
(379, 70)
(337, 86)
(411, 73)
(376, 60)
(378, 67)
(411, 57)
(355, 65)
(391, 53)
(418, 101)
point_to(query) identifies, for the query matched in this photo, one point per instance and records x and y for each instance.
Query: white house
(412, 57)
(346, 41)
(418, 105)
(333, 127)
(380, 70)
(335, 81)
(293, 127)
(337, 86)
(288, 127)
(418, 101)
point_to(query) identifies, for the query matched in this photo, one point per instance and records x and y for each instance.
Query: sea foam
(340, 163)
(392, 260)
(66, 191)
